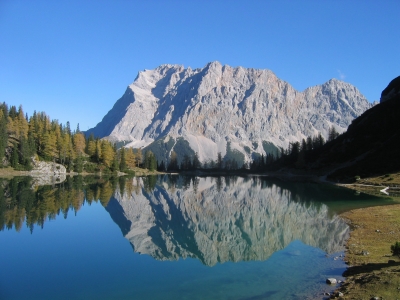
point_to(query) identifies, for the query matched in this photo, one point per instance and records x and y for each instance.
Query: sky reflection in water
(204, 238)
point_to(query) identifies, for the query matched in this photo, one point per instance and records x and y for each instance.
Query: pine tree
(68, 128)
(91, 148)
(309, 143)
(24, 151)
(89, 140)
(14, 156)
(107, 153)
(79, 143)
(115, 164)
(173, 162)
(139, 157)
(130, 158)
(122, 163)
(196, 161)
(49, 145)
(161, 167)
(219, 161)
(97, 153)
(22, 124)
(3, 134)
(150, 161)
(78, 164)
(186, 163)
(333, 134)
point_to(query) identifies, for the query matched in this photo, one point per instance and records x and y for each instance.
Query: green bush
(357, 178)
(395, 249)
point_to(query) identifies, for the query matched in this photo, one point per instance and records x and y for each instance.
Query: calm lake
(172, 237)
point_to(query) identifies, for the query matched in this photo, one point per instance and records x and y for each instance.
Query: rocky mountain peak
(236, 110)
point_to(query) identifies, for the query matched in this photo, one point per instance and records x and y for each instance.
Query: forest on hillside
(23, 138)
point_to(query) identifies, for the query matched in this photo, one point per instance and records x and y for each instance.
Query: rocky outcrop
(217, 106)
(47, 173)
(216, 221)
(45, 167)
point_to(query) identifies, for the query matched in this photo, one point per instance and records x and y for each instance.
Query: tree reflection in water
(23, 202)
(214, 219)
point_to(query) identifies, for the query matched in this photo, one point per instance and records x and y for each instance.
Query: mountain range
(238, 112)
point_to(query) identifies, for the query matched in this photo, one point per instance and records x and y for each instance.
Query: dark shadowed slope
(371, 145)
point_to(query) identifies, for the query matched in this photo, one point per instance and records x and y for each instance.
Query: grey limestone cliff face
(217, 105)
(216, 222)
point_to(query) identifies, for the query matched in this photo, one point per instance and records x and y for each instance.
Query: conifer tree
(3, 134)
(22, 124)
(78, 164)
(173, 162)
(49, 145)
(24, 152)
(115, 164)
(161, 167)
(79, 143)
(139, 157)
(122, 164)
(68, 128)
(196, 161)
(91, 148)
(107, 153)
(219, 160)
(130, 158)
(333, 134)
(89, 140)
(14, 156)
(150, 161)
(97, 153)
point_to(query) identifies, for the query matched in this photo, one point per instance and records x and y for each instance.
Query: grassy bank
(373, 271)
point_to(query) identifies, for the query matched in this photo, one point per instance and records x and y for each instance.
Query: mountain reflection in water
(219, 219)
(213, 219)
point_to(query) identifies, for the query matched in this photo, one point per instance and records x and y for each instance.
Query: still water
(172, 237)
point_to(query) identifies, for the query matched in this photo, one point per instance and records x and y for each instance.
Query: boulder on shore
(331, 281)
(47, 167)
(47, 173)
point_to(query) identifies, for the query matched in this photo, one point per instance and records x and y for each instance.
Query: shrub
(395, 249)
(357, 177)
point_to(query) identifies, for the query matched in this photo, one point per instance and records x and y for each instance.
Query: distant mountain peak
(226, 109)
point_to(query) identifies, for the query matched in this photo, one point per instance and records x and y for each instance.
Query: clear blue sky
(74, 59)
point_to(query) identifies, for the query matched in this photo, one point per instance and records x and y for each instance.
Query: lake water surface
(172, 237)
